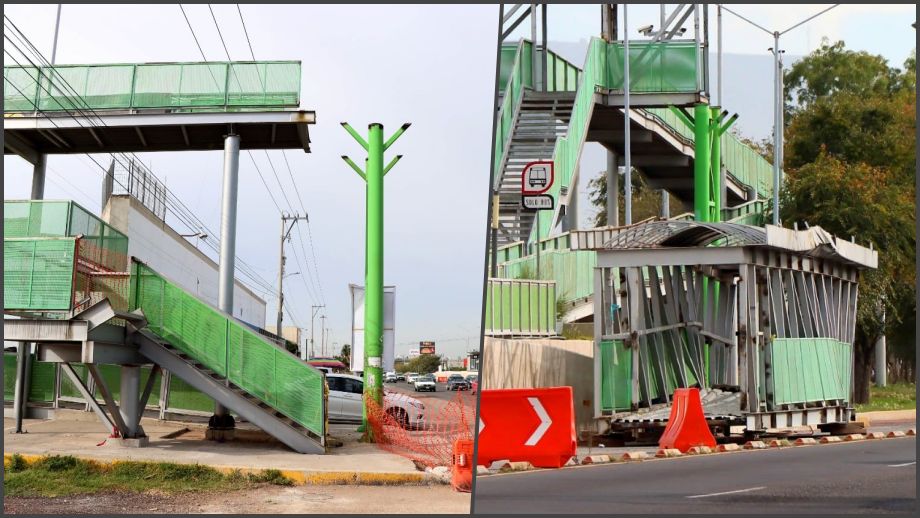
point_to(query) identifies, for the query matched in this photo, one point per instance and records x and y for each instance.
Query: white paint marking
(482, 425)
(902, 465)
(545, 422)
(729, 492)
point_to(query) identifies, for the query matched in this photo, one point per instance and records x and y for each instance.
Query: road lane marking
(902, 465)
(729, 492)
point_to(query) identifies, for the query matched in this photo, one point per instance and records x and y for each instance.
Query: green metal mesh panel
(806, 370)
(68, 389)
(38, 273)
(616, 376)
(20, 88)
(183, 396)
(112, 376)
(41, 383)
(153, 85)
(521, 307)
(9, 375)
(653, 67)
(208, 335)
(572, 270)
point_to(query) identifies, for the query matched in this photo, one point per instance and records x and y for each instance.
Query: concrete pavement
(78, 433)
(860, 477)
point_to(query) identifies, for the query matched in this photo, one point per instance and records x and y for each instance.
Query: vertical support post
(38, 177)
(129, 399)
(227, 260)
(777, 126)
(613, 190)
(701, 162)
(720, 101)
(373, 285)
(717, 180)
(665, 210)
(881, 360)
(20, 393)
(534, 59)
(545, 60)
(699, 49)
(627, 195)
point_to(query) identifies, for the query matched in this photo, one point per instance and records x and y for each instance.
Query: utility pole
(285, 235)
(303, 354)
(373, 257)
(322, 337)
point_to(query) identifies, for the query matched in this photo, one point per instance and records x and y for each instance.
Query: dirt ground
(263, 500)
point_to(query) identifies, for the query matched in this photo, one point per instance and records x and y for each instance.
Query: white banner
(357, 328)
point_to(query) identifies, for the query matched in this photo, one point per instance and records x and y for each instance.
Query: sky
(432, 66)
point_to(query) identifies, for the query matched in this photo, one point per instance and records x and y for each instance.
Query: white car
(346, 402)
(426, 383)
(411, 377)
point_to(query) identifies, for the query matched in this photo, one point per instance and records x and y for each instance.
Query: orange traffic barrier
(687, 424)
(535, 425)
(461, 468)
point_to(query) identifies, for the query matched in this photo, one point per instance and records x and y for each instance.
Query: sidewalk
(80, 434)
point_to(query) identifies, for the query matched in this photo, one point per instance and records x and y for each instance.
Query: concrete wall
(163, 249)
(534, 363)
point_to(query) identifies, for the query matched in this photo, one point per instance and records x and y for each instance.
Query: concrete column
(613, 190)
(38, 178)
(665, 204)
(881, 360)
(20, 395)
(128, 399)
(227, 259)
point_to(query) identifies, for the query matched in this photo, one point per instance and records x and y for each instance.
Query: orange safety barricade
(687, 424)
(534, 425)
(461, 469)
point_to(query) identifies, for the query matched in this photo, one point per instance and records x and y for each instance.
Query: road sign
(537, 178)
(534, 425)
(538, 202)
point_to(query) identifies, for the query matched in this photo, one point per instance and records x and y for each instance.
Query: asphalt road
(877, 476)
(440, 392)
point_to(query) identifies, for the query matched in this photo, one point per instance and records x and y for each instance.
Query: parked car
(389, 377)
(412, 376)
(457, 382)
(346, 402)
(425, 383)
(472, 378)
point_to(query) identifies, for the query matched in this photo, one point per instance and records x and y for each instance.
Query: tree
(850, 165)
(345, 355)
(646, 202)
(423, 364)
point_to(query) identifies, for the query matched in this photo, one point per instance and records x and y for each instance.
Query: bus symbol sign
(537, 178)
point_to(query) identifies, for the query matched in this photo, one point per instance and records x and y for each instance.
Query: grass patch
(897, 396)
(55, 475)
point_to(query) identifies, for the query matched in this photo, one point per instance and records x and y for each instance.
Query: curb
(723, 448)
(875, 435)
(829, 439)
(320, 478)
(634, 455)
(780, 443)
(755, 445)
(668, 452)
(699, 450)
(805, 441)
(911, 432)
(595, 459)
(854, 437)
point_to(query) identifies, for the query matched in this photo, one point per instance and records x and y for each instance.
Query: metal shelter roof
(669, 235)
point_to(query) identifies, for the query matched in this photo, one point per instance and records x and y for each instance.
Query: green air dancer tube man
(373, 259)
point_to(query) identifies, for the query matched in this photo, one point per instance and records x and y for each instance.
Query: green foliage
(55, 475)
(423, 364)
(17, 464)
(833, 68)
(345, 355)
(850, 160)
(646, 202)
(526, 272)
(897, 396)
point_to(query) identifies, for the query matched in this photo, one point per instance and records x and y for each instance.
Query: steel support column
(227, 260)
(701, 163)
(129, 400)
(613, 190)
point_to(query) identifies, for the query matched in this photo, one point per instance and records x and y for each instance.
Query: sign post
(536, 179)
(373, 258)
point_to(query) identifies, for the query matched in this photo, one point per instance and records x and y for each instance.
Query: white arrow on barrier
(545, 422)
(482, 425)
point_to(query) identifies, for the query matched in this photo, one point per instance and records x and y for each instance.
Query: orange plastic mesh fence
(430, 441)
